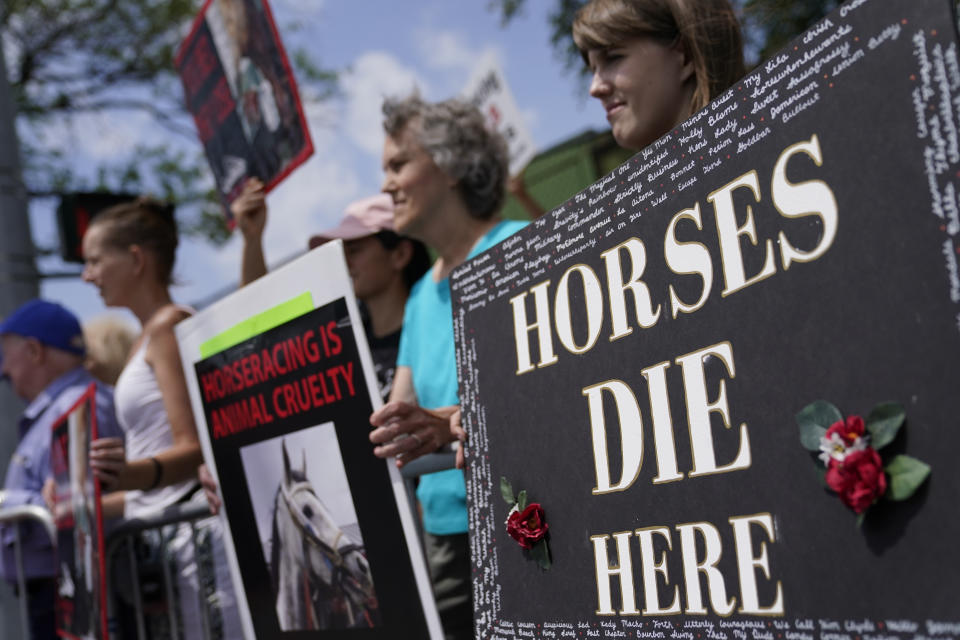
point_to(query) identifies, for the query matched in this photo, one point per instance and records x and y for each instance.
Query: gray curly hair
(454, 134)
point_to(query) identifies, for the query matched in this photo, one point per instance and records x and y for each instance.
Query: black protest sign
(81, 604)
(316, 529)
(636, 362)
(239, 86)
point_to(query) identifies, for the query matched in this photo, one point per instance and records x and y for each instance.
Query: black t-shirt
(383, 350)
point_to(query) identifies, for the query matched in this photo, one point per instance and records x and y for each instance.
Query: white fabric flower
(835, 448)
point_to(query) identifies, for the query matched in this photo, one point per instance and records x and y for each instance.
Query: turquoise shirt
(426, 346)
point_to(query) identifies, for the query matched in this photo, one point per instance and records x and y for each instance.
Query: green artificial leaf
(522, 500)
(906, 474)
(813, 420)
(810, 436)
(860, 517)
(536, 552)
(541, 553)
(821, 474)
(884, 422)
(506, 490)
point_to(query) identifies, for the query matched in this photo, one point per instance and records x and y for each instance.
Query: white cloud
(374, 75)
(311, 199)
(202, 270)
(106, 136)
(314, 196)
(320, 113)
(446, 50)
(102, 136)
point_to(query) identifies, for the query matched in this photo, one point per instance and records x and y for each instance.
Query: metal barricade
(120, 547)
(429, 463)
(120, 540)
(17, 515)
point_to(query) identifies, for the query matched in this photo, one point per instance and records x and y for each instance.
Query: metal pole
(21, 581)
(173, 602)
(135, 584)
(14, 517)
(204, 601)
(18, 283)
(19, 280)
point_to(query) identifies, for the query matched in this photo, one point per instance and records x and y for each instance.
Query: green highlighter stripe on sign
(260, 323)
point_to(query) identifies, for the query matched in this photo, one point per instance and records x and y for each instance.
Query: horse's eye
(307, 512)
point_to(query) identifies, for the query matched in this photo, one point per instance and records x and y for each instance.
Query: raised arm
(250, 212)
(517, 186)
(402, 389)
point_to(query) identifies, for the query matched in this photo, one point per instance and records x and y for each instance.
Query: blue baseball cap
(47, 322)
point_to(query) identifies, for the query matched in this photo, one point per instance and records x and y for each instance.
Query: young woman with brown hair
(129, 253)
(656, 62)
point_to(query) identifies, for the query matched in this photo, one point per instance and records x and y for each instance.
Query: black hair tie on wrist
(157, 474)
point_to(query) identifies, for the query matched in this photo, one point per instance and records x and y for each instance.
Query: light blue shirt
(30, 466)
(426, 346)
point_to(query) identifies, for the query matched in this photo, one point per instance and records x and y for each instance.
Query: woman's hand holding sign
(108, 460)
(407, 431)
(210, 489)
(250, 209)
(250, 212)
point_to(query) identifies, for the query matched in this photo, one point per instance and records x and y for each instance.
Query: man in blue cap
(42, 347)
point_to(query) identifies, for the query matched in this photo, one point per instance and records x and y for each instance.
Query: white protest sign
(488, 90)
(321, 537)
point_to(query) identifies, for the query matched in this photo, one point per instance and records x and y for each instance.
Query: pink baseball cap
(362, 218)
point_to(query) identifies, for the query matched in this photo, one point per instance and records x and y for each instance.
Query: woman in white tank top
(143, 417)
(129, 252)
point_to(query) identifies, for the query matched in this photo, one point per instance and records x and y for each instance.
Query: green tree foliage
(560, 18)
(67, 58)
(770, 24)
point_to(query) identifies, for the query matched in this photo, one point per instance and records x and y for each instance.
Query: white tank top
(143, 418)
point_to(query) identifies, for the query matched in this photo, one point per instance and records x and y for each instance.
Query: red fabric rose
(848, 430)
(527, 527)
(859, 479)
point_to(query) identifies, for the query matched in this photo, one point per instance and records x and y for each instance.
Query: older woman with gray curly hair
(446, 173)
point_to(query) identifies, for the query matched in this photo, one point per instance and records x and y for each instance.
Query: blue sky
(383, 48)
